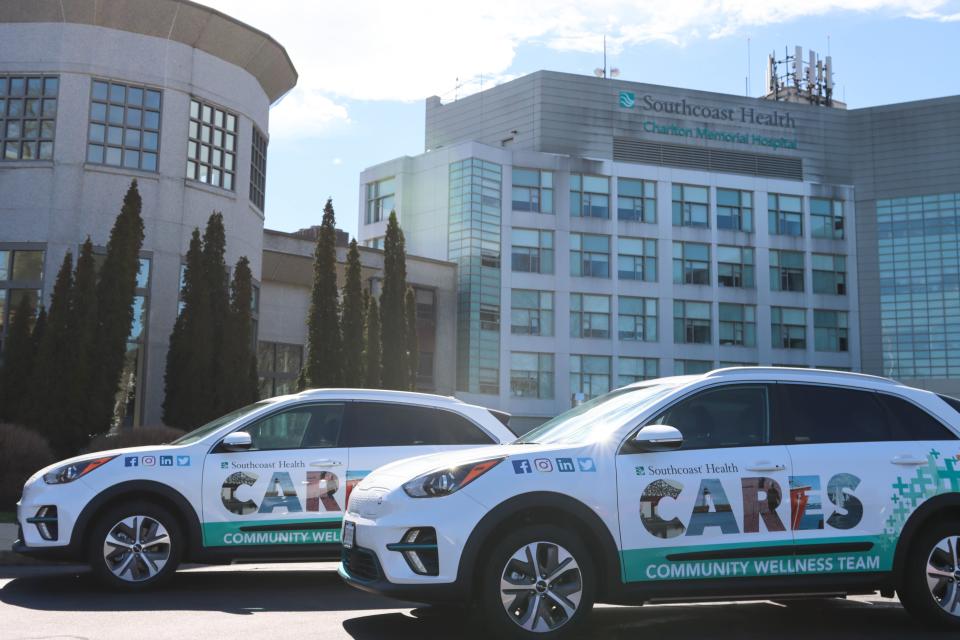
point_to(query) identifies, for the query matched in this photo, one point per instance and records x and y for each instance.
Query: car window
(304, 427)
(384, 424)
(733, 416)
(818, 414)
(910, 422)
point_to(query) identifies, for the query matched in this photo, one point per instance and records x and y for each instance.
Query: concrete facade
(570, 124)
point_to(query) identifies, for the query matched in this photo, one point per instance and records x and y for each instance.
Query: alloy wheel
(136, 548)
(541, 586)
(943, 575)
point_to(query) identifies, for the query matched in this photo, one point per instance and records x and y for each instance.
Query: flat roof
(182, 21)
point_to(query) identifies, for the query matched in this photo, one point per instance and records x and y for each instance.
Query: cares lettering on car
(761, 497)
(280, 493)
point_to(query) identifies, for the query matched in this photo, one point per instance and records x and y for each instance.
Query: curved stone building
(96, 93)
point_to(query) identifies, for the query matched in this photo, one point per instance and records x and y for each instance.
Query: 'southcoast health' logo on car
(521, 466)
(628, 99)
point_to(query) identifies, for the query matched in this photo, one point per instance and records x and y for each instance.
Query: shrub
(22, 453)
(138, 437)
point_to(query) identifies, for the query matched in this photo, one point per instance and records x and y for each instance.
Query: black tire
(144, 570)
(914, 591)
(494, 612)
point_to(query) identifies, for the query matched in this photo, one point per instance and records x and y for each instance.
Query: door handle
(326, 463)
(766, 466)
(908, 461)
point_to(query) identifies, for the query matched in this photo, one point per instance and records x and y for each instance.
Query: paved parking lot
(309, 601)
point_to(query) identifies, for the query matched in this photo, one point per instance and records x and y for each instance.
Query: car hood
(395, 473)
(103, 454)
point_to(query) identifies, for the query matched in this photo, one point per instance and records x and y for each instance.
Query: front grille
(360, 564)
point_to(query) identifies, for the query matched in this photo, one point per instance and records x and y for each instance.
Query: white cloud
(389, 50)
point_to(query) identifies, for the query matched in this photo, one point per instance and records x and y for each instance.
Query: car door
(288, 488)
(717, 507)
(863, 461)
(378, 433)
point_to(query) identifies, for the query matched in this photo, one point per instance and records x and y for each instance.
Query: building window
(531, 312)
(489, 317)
(788, 328)
(532, 190)
(691, 322)
(380, 199)
(531, 375)
(636, 200)
(637, 259)
(785, 214)
(829, 274)
(826, 218)
(212, 147)
(786, 270)
(630, 370)
(21, 275)
(375, 243)
(830, 330)
(124, 129)
(691, 263)
(589, 316)
(735, 210)
(738, 324)
(258, 169)
(735, 267)
(531, 251)
(28, 112)
(691, 367)
(589, 196)
(637, 319)
(589, 255)
(691, 206)
(279, 365)
(589, 375)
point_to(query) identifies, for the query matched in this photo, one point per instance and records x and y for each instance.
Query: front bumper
(378, 584)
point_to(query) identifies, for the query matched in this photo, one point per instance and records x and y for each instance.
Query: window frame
(838, 277)
(589, 315)
(195, 162)
(540, 374)
(743, 324)
(690, 323)
(779, 219)
(258, 168)
(646, 260)
(774, 333)
(533, 253)
(43, 145)
(682, 209)
(584, 198)
(580, 257)
(778, 272)
(639, 320)
(738, 212)
(685, 264)
(828, 220)
(540, 312)
(540, 189)
(647, 211)
(738, 270)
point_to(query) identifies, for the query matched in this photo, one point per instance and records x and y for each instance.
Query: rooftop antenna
(602, 73)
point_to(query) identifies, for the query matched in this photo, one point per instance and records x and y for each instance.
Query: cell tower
(791, 79)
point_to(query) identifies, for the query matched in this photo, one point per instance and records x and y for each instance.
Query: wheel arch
(931, 511)
(542, 507)
(148, 490)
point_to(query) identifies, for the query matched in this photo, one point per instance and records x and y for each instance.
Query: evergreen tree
(324, 366)
(187, 382)
(413, 353)
(395, 372)
(52, 380)
(239, 362)
(214, 272)
(371, 356)
(18, 358)
(351, 320)
(115, 292)
(82, 330)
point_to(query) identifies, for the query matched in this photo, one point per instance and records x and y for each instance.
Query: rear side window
(381, 424)
(813, 414)
(910, 422)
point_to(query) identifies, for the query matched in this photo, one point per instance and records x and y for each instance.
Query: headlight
(446, 481)
(70, 472)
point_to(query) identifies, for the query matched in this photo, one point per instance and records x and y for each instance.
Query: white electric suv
(269, 481)
(739, 483)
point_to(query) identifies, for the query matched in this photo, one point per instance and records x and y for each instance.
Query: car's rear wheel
(931, 580)
(538, 582)
(135, 546)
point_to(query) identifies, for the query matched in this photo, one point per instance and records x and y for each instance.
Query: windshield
(596, 419)
(210, 427)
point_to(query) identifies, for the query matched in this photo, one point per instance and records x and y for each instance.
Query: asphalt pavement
(279, 601)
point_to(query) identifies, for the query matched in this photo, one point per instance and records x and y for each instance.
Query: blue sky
(365, 68)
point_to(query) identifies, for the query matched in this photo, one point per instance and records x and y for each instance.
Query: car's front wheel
(135, 546)
(931, 579)
(537, 582)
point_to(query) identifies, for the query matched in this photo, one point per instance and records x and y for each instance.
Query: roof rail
(813, 373)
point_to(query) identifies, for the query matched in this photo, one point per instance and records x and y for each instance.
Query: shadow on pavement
(241, 592)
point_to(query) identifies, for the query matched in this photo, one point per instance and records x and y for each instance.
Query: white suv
(740, 483)
(269, 481)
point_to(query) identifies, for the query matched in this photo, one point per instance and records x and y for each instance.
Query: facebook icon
(522, 466)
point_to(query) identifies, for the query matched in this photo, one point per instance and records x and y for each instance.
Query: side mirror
(237, 441)
(657, 437)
